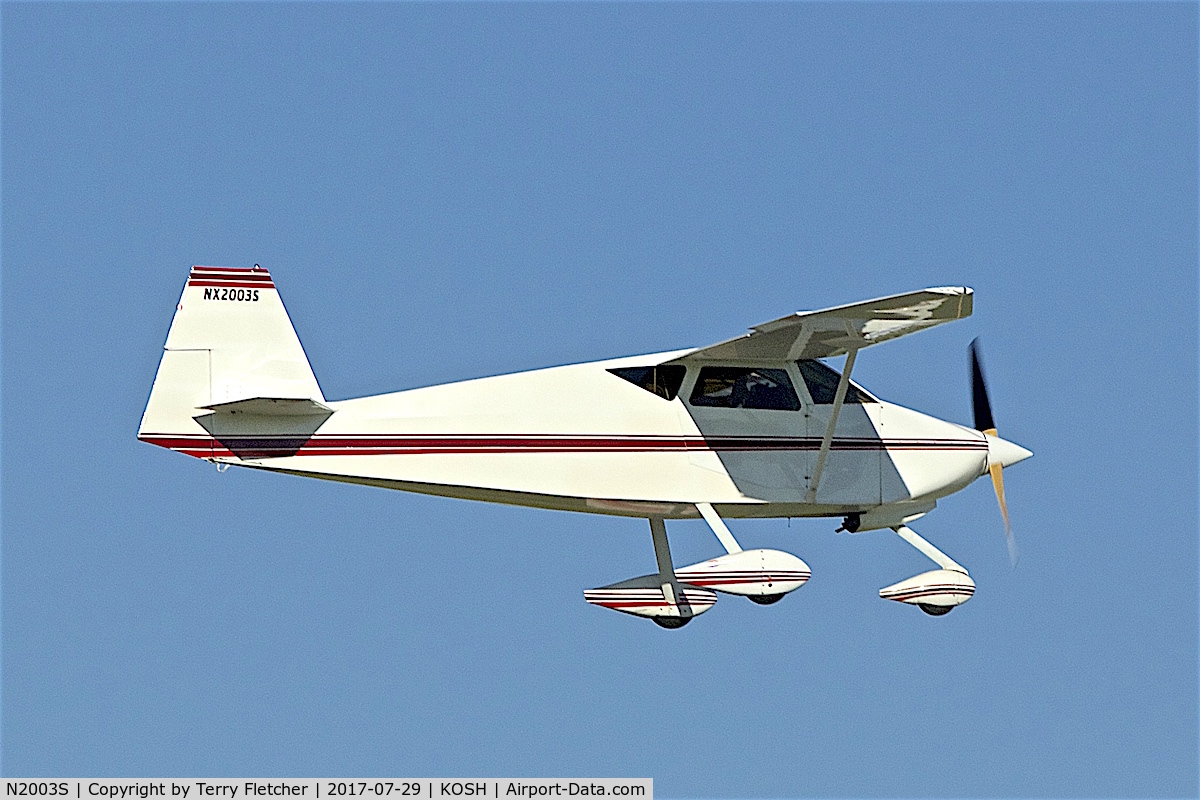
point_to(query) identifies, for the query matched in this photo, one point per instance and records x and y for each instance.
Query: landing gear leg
(666, 575)
(929, 551)
(724, 535)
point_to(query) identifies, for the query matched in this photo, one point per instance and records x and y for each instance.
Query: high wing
(838, 330)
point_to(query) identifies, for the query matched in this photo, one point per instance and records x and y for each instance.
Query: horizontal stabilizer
(273, 407)
(264, 427)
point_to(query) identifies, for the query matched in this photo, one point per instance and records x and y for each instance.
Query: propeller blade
(979, 395)
(997, 473)
(987, 424)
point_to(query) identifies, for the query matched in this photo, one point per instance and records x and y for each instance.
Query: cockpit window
(822, 383)
(741, 387)
(663, 381)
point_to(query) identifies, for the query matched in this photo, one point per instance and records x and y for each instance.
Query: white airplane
(756, 426)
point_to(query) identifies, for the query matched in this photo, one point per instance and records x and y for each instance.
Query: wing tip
(965, 295)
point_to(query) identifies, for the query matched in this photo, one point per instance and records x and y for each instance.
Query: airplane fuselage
(584, 438)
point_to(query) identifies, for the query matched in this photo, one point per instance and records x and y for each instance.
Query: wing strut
(838, 399)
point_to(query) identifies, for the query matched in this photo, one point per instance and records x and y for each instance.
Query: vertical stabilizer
(231, 340)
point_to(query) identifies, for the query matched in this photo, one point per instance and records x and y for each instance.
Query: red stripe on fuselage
(263, 446)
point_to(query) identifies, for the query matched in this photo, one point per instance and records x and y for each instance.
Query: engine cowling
(757, 574)
(935, 592)
(649, 596)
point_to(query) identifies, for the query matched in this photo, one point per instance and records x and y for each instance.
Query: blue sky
(444, 191)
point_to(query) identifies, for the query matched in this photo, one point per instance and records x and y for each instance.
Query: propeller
(1000, 452)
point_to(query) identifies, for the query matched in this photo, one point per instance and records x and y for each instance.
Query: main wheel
(671, 623)
(935, 611)
(765, 599)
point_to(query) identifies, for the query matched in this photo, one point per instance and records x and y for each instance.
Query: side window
(822, 383)
(662, 381)
(742, 387)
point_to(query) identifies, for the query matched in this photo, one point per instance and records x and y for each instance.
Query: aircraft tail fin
(231, 342)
